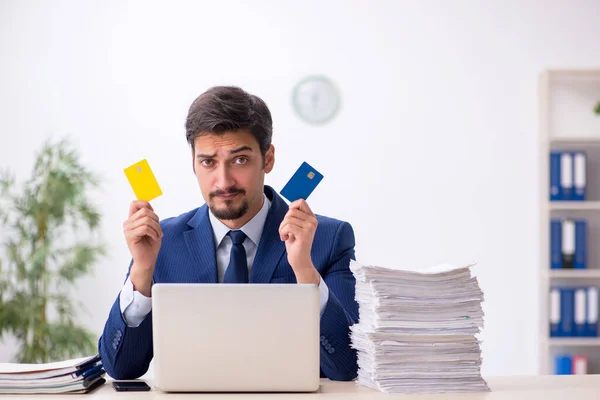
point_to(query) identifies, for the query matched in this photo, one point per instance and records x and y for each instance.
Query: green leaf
(7, 180)
(89, 215)
(14, 314)
(64, 306)
(82, 257)
(15, 256)
(597, 109)
(65, 340)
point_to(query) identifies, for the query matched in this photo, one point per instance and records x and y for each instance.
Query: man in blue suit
(245, 233)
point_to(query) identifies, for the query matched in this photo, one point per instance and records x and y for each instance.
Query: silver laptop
(236, 337)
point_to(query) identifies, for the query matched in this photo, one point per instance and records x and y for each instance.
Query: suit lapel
(201, 245)
(271, 248)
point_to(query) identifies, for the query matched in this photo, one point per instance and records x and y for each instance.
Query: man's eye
(206, 163)
(241, 160)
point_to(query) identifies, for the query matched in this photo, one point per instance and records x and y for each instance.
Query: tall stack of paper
(80, 375)
(416, 330)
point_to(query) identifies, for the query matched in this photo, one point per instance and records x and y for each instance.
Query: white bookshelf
(567, 122)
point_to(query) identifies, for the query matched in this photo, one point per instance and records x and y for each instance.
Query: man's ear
(269, 159)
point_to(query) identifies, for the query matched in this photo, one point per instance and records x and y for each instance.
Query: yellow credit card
(142, 181)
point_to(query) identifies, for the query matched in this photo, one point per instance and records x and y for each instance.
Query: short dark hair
(229, 108)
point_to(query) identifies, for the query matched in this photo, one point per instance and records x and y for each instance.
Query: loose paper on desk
(416, 329)
(79, 375)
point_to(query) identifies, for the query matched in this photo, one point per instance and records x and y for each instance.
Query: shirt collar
(253, 228)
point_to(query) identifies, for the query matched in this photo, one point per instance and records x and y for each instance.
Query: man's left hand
(298, 231)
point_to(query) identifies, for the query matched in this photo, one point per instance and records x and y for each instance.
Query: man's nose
(224, 178)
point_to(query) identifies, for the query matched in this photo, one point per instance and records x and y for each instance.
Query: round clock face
(316, 99)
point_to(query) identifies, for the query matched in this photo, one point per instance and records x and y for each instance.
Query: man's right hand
(143, 235)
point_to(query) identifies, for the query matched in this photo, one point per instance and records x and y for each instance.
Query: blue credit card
(302, 184)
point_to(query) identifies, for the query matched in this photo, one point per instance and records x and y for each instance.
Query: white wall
(432, 158)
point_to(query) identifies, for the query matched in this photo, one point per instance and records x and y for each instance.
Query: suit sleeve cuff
(134, 305)
(323, 295)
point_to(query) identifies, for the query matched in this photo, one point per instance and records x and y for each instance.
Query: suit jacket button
(114, 346)
(327, 346)
(331, 350)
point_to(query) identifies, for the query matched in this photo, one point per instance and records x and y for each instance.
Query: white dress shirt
(135, 306)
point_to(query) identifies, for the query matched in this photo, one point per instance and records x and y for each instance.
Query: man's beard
(229, 212)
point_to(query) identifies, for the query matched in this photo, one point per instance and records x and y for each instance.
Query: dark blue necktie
(237, 270)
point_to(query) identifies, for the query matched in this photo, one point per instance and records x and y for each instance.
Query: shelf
(575, 273)
(573, 73)
(574, 205)
(576, 140)
(574, 341)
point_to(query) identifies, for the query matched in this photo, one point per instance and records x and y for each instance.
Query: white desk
(549, 387)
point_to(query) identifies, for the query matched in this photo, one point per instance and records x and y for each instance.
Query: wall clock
(316, 99)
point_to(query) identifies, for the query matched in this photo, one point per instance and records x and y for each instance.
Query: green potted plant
(597, 108)
(47, 241)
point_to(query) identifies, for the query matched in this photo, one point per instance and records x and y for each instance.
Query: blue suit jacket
(187, 255)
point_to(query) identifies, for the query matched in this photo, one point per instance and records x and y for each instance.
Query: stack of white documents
(81, 375)
(417, 330)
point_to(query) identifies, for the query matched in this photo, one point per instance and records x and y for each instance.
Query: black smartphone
(130, 386)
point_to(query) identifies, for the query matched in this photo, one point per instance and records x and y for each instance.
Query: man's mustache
(232, 190)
